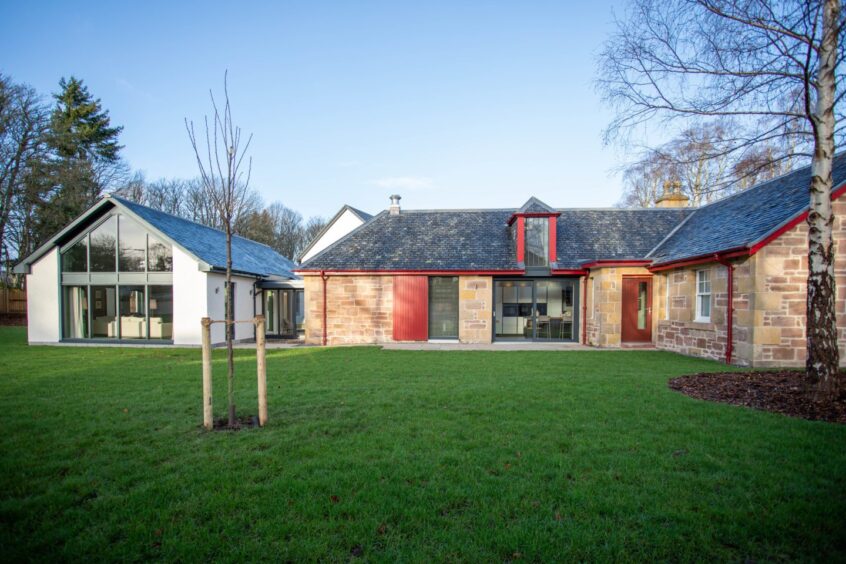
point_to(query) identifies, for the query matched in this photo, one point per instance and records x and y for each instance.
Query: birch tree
(773, 70)
(225, 178)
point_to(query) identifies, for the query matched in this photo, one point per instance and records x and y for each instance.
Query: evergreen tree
(84, 159)
(81, 129)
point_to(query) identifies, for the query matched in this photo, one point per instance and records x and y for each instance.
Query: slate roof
(613, 234)
(362, 215)
(209, 244)
(745, 218)
(481, 239)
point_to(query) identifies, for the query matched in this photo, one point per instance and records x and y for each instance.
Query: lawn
(403, 455)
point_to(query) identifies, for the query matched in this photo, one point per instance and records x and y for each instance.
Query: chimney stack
(395, 205)
(672, 196)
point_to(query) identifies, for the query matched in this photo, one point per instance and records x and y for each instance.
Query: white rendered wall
(346, 223)
(189, 299)
(42, 303)
(244, 301)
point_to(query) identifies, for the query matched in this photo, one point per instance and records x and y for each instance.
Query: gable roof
(743, 219)
(206, 244)
(461, 240)
(361, 215)
(533, 205)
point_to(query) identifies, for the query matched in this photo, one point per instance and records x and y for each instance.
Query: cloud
(404, 183)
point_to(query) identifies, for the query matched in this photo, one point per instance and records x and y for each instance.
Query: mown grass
(403, 455)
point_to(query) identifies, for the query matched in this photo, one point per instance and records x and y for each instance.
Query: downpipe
(325, 278)
(729, 307)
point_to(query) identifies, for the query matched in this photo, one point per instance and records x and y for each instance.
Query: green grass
(403, 455)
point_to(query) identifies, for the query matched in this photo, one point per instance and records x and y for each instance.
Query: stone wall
(780, 295)
(605, 304)
(475, 306)
(359, 309)
(770, 289)
(678, 330)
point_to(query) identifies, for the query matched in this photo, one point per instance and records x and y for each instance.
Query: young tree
(771, 69)
(225, 184)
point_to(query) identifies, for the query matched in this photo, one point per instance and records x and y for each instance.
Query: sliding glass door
(543, 309)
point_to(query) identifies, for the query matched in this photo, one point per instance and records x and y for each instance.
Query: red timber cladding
(521, 238)
(553, 239)
(411, 308)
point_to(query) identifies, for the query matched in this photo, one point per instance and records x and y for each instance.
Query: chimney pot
(395, 204)
(672, 196)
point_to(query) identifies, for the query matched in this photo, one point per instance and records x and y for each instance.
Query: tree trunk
(230, 357)
(823, 359)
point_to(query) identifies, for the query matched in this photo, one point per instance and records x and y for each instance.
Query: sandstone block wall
(475, 307)
(359, 309)
(605, 304)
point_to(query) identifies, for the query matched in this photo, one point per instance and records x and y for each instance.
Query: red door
(637, 310)
(411, 308)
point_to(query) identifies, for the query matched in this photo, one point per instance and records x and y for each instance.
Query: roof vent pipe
(395, 205)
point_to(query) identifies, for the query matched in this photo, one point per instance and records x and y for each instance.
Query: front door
(637, 310)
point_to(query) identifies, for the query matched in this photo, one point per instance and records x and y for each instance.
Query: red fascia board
(413, 272)
(609, 263)
(532, 214)
(701, 259)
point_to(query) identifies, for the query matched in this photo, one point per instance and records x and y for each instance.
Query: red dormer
(535, 232)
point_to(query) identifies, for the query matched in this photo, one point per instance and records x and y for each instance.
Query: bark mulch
(779, 392)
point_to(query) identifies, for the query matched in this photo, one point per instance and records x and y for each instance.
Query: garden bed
(779, 392)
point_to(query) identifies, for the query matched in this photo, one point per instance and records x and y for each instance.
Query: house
(725, 281)
(347, 219)
(123, 272)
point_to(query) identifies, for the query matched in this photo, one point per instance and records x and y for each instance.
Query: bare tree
(226, 185)
(771, 69)
(23, 122)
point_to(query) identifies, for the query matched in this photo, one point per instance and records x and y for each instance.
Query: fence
(12, 301)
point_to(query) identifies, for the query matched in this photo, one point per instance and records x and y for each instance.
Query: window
(443, 307)
(132, 246)
(118, 242)
(160, 254)
(75, 259)
(160, 307)
(667, 296)
(703, 295)
(103, 242)
(75, 312)
(133, 314)
(537, 241)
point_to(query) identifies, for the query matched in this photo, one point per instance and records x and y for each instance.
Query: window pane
(103, 241)
(74, 312)
(443, 307)
(641, 305)
(161, 311)
(133, 243)
(75, 259)
(300, 318)
(161, 255)
(537, 241)
(705, 306)
(104, 311)
(133, 317)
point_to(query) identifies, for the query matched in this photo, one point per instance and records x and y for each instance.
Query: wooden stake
(208, 423)
(261, 369)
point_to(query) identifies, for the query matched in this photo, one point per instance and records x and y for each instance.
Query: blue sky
(453, 104)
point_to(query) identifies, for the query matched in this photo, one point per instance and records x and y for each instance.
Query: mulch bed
(778, 392)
